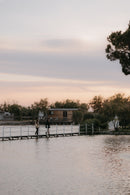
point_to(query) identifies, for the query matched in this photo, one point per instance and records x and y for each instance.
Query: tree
(4, 107)
(16, 110)
(96, 103)
(83, 107)
(117, 105)
(77, 117)
(88, 115)
(42, 105)
(119, 48)
(67, 104)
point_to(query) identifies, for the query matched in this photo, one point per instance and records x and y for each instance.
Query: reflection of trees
(117, 169)
(113, 147)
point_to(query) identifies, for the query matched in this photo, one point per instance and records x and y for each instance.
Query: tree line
(102, 109)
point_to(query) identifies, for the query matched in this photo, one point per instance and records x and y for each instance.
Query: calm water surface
(79, 165)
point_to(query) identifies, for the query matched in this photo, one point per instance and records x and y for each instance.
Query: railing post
(56, 129)
(10, 132)
(71, 129)
(63, 129)
(99, 130)
(79, 129)
(21, 131)
(92, 128)
(86, 128)
(3, 134)
(28, 130)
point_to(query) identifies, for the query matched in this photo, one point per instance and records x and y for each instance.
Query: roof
(63, 109)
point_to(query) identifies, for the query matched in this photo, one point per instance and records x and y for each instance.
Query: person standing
(37, 127)
(47, 125)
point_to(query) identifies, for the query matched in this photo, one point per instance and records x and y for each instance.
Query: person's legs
(36, 133)
(48, 133)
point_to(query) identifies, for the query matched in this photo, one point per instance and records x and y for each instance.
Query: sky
(55, 49)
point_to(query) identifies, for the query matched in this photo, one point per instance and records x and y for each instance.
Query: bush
(77, 117)
(93, 121)
(88, 115)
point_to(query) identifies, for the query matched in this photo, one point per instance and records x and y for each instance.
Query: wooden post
(56, 129)
(3, 134)
(99, 129)
(71, 129)
(63, 129)
(92, 128)
(28, 130)
(21, 131)
(86, 128)
(10, 132)
(79, 129)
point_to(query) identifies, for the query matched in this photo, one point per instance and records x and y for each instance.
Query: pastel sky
(56, 49)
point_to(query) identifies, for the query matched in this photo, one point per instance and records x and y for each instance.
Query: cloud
(73, 46)
(64, 43)
(68, 66)
(17, 79)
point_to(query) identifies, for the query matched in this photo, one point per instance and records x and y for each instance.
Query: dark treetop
(119, 48)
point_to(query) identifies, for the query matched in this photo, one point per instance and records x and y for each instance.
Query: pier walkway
(6, 138)
(28, 132)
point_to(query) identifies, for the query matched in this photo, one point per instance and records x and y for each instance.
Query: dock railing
(28, 131)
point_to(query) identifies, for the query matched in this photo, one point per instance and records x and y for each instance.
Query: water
(77, 165)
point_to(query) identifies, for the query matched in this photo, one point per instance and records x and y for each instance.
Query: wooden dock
(8, 133)
(28, 132)
(23, 137)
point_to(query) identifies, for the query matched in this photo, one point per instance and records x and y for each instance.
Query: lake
(76, 165)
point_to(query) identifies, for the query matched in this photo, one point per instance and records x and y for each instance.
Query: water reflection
(66, 165)
(119, 164)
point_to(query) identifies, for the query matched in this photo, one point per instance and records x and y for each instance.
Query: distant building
(64, 115)
(6, 116)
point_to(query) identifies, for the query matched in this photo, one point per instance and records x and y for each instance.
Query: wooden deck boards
(21, 137)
